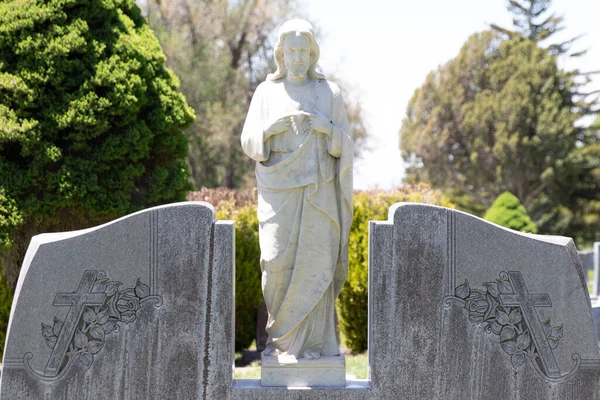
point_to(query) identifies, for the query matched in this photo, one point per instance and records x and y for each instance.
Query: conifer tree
(507, 211)
(90, 119)
(502, 116)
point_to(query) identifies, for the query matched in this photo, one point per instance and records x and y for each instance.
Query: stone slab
(596, 265)
(587, 263)
(443, 274)
(121, 311)
(328, 371)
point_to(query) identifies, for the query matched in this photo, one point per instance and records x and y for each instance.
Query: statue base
(327, 371)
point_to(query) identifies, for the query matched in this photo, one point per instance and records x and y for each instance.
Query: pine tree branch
(504, 30)
(518, 6)
(586, 94)
(579, 53)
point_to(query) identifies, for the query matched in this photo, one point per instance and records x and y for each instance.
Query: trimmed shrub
(507, 211)
(352, 304)
(240, 206)
(91, 123)
(5, 304)
(248, 292)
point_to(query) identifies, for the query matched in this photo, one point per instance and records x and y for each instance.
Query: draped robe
(304, 211)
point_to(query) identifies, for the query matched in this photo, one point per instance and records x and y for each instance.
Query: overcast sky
(385, 49)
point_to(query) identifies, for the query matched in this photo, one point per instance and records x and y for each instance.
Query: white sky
(385, 49)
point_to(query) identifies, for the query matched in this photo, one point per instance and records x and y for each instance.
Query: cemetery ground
(356, 365)
(356, 368)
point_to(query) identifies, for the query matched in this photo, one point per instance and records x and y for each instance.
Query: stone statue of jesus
(297, 131)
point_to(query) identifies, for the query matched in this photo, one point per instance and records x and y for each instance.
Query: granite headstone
(587, 263)
(480, 311)
(121, 311)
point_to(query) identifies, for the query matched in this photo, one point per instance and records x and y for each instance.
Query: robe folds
(304, 211)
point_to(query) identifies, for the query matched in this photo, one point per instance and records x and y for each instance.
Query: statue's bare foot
(311, 355)
(271, 352)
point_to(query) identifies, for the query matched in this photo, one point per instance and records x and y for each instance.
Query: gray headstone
(587, 263)
(596, 267)
(480, 311)
(121, 311)
(593, 258)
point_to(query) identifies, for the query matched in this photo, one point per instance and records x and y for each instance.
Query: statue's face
(296, 55)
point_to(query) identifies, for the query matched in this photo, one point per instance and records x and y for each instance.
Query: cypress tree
(90, 119)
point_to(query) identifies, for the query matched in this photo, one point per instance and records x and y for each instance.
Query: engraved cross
(77, 301)
(528, 302)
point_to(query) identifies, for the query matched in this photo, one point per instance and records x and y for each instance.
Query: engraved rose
(127, 304)
(478, 303)
(478, 306)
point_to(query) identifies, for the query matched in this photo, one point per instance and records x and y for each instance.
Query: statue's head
(297, 36)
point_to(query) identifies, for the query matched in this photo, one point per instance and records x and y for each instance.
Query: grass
(356, 368)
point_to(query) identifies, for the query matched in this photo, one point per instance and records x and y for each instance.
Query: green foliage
(90, 119)
(533, 20)
(353, 300)
(221, 51)
(5, 304)
(10, 219)
(248, 293)
(507, 211)
(501, 117)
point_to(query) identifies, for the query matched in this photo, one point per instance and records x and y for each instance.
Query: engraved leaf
(509, 346)
(97, 332)
(99, 285)
(141, 290)
(504, 286)
(556, 333)
(81, 339)
(553, 343)
(515, 316)
(110, 325)
(56, 328)
(47, 331)
(72, 354)
(86, 359)
(492, 288)
(524, 340)
(112, 306)
(51, 341)
(94, 346)
(501, 317)
(507, 333)
(89, 315)
(495, 327)
(547, 327)
(517, 360)
(103, 315)
(462, 291)
(112, 287)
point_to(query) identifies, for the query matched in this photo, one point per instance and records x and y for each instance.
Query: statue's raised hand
(278, 126)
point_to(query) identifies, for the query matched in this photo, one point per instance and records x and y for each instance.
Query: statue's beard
(298, 71)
